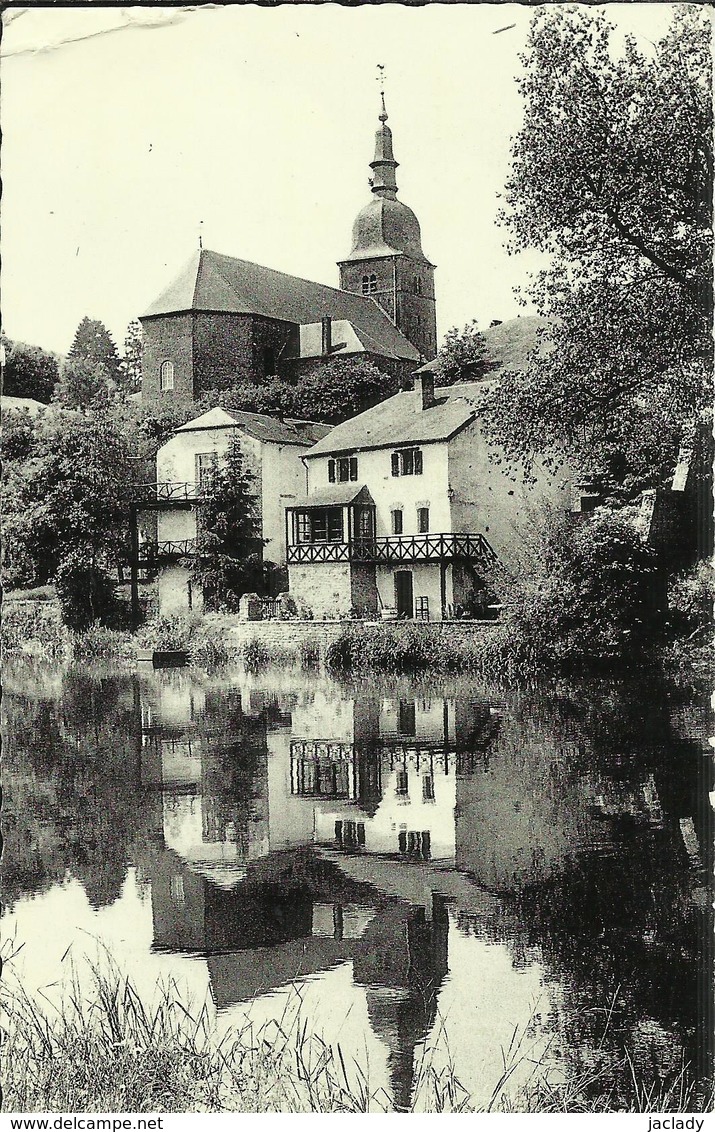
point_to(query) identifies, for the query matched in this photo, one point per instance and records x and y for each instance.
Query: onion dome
(385, 226)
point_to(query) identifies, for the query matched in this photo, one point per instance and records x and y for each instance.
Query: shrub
(255, 655)
(309, 653)
(85, 592)
(210, 646)
(690, 598)
(581, 591)
(100, 641)
(170, 633)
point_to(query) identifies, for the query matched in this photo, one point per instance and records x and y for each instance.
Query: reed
(102, 1049)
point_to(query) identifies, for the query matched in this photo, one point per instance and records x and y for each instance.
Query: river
(426, 869)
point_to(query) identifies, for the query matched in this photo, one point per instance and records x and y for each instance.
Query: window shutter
(331, 471)
(418, 461)
(395, 463)
(353, 467)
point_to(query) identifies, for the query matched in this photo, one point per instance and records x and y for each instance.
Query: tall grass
(102, 1049)
(487, 651)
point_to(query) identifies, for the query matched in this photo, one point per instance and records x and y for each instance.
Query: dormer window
(166, 376)
(343, 470)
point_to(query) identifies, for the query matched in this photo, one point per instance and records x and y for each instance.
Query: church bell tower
(386, 261)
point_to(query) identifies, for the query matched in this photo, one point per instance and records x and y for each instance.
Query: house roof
(402, 420)
(346, 337)
(511, 343)
(9, 404)
(267, 429)
(213, 282)
(336, 495)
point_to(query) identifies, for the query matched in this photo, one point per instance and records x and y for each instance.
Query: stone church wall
(230, 348)
(167, 338)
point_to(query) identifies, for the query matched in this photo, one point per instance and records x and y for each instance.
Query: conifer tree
(93, 344)
(228, 558)
(132, 360)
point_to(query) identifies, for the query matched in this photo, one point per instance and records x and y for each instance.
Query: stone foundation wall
(324, 588)
(290, 636)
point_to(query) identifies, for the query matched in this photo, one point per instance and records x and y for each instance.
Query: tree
(84, 384)
(132, 360)
(94, 345)
(228, 559)
(611, 177)
(28, 371)
(68, 500)
(581, 590)
(340, 389)
(332, 391)
(463, 356)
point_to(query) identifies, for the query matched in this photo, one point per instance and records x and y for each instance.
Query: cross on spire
(381, 81)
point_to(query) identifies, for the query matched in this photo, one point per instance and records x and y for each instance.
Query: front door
(403, 594)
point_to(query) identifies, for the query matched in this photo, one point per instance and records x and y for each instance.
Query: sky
(127, 131)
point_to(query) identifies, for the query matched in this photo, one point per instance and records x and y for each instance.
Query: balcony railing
(398, 548)
(168, 492)
(151, 553)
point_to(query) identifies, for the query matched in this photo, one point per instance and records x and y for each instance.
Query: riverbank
(488, 649)
(104, 1050)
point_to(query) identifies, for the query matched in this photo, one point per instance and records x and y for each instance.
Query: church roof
(267, 429)
(220, 283)
(384, 227)
(402, 420)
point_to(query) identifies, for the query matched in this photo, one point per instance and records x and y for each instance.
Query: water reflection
(284, 826)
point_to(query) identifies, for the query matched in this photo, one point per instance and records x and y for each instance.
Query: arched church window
(366, 284)
(166, 376)
(373, 284)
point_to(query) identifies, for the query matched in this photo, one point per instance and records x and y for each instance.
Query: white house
(272, 451)
(407, 507)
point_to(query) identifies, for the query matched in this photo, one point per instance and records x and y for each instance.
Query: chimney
(424, 389)
(326, 324)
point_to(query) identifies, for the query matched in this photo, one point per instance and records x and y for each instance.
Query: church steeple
(383, 165)
(386, 261)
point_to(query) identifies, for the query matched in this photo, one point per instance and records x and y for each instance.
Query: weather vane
(381, 81)
(201, 229)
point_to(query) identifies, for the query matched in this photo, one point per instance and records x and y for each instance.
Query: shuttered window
(407, 462)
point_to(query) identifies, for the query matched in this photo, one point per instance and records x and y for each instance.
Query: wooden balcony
(169, 494)
(159, 553)
(396, 549)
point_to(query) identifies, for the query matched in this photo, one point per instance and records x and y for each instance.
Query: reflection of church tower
(402, 961)
(386, 260)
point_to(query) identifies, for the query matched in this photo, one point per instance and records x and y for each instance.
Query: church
(225, 320)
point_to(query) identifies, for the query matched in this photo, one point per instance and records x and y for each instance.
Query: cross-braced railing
(154, 552)
(397, 548)
(169, 491)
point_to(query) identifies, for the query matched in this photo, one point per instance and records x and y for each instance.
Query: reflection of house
(271, 451)
(208, 761)
(391, 772)
(281, 923)
(406, 508)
